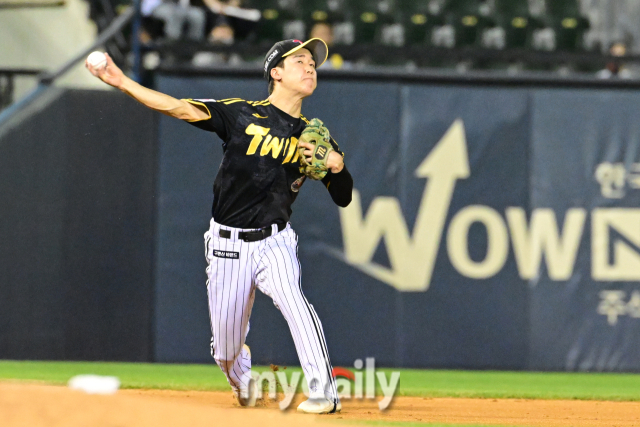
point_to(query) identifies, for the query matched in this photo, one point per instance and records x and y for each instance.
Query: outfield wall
(494, 226)
(77, 173)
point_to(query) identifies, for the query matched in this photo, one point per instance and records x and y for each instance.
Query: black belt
(252, 236)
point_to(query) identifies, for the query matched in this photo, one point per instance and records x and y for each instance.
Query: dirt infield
(38, 405)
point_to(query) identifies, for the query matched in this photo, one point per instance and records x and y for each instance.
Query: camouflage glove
(317, 134)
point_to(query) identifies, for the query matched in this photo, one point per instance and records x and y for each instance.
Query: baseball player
(269, 150)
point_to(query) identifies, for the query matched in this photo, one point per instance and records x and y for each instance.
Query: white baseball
(97, 59)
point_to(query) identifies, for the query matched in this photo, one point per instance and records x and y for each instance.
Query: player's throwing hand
(110, 74)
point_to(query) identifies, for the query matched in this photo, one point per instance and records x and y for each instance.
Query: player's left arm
(338, 179)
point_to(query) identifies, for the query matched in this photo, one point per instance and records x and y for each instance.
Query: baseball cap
(284, 48)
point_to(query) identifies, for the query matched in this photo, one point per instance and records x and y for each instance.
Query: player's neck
(287, 102)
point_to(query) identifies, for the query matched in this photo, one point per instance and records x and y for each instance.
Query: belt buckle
(263, 233)
(247, 235)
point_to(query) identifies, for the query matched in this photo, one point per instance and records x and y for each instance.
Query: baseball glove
(317, 134)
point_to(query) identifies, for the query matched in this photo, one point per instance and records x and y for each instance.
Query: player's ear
(275, 73)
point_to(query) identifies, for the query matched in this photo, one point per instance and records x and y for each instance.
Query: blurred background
(511, 37)
(525, 252)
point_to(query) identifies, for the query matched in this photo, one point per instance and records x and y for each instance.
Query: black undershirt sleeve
(340, 186)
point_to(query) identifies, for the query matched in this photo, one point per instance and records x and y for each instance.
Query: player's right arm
(180, 109)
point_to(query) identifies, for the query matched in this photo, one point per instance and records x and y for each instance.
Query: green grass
(131, 375)
(425, 383)
(522, 385)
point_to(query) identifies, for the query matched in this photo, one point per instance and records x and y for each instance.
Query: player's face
(300, 72)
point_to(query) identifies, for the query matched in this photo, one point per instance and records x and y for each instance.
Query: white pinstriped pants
(236, 268)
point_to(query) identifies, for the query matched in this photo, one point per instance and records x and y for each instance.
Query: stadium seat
(330, 11)
(564, 17)
(370, 17)
(466, 21)
(418, 21)
(514, 18)
(276, 16)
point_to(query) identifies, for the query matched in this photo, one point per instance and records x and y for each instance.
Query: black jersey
(259, 175)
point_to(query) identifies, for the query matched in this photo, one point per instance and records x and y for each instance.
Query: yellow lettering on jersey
(258, 132)
(295, 158)
(272, 144)
(265, 143)
(293, 146)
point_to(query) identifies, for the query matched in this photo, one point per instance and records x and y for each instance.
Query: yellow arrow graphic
(412, 258)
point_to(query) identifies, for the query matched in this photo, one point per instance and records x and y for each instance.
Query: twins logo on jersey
(271, 145)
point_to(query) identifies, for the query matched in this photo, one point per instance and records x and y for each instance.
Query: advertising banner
(585, 197)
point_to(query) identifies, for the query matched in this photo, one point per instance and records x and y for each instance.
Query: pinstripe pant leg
(278, 276)
(230, 295)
